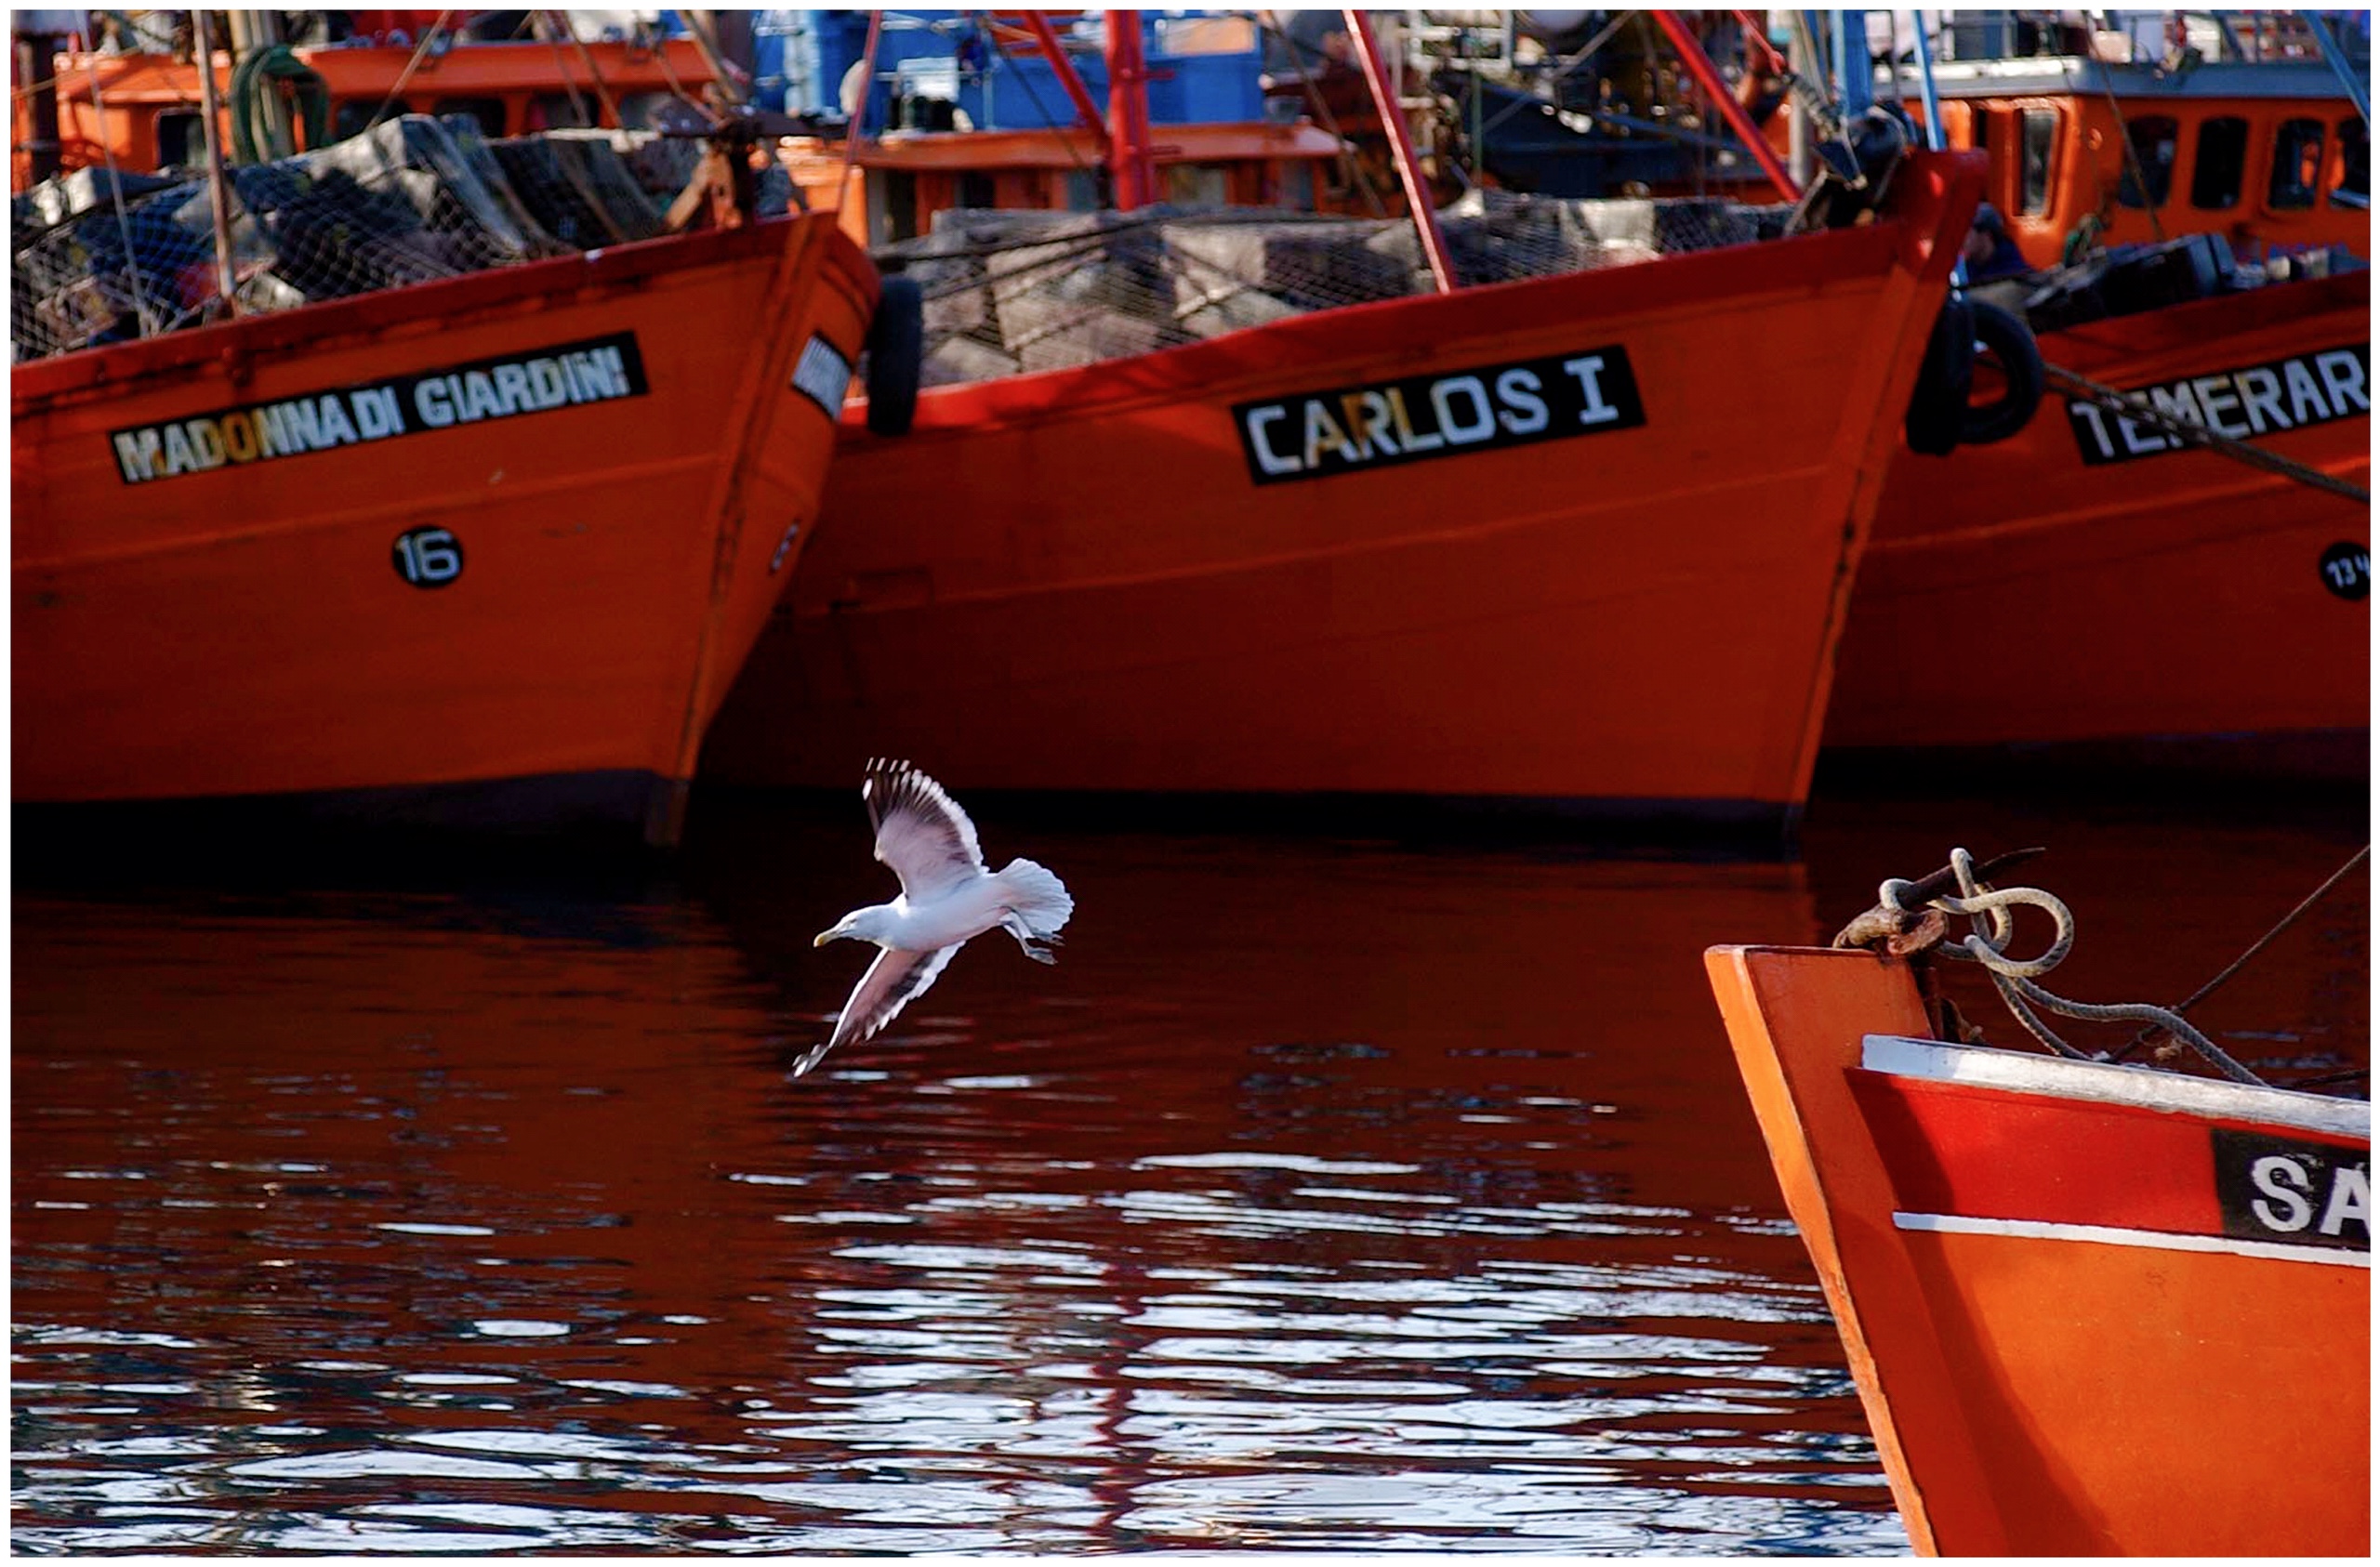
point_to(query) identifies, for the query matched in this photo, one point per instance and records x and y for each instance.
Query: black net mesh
(411, 200)
(1014, 292)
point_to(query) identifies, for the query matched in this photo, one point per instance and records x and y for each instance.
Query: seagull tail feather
(1038, 896)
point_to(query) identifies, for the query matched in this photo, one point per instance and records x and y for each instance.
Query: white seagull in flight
(947, 898)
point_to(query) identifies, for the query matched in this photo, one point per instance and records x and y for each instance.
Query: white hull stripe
(2057, 1076)
(2155, 1240)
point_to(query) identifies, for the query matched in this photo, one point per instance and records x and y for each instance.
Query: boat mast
(703, 28)
(1933, 136)
(857, 119)
(2334, 55)
(1046, 37)
(1706, 76)
(1802, 152)
(1409, 170)
(1855, 72)
(1936, 137)
(569, 30)
(218, 185)
(1130, 160)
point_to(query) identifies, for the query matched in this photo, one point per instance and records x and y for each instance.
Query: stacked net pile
(1009, 292)
(412, 200)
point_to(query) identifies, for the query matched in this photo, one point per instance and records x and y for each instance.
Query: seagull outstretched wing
(921, 832)
(889, 982)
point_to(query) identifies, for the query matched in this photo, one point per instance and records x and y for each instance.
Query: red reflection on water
(1307, 1168)
(1322, 1195)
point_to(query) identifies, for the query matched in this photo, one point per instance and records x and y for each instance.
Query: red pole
(859, 117)
(1753, 35)
(218, 187)
(1706, 76)
(1130, 159)
(1391, 119)
(1068, 77)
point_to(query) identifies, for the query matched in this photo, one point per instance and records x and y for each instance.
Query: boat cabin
(2271, 155)
(909, 176)
(143, 109)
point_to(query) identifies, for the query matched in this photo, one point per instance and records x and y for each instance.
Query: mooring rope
(2132, 406)
(1988, 910)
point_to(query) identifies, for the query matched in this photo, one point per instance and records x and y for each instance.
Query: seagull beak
(822, 938)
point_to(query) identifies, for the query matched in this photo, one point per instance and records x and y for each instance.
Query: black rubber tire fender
(896, 344)
(2010, 342)
(1937, 404)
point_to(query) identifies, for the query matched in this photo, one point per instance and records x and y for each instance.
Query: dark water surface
(1324, 1196)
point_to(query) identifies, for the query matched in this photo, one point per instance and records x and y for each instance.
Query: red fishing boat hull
(1156, 575)
(515, 530)
(2080, 584)
(2091, 1309)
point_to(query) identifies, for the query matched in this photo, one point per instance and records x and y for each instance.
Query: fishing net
(412, 200)
(1008, 293)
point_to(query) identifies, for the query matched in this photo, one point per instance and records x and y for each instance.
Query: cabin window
(2354, 188)
(349, 116)
(488, 111)
(1197, 185)
(1082, 189)
(1992, 138)
(552, 110)
(654, 109)
(2040, 142)
(976, 188)
(2296, 165)
(1297, 185)
(179, 138)
(2154, 141)
(2222, 161)
(900, 188)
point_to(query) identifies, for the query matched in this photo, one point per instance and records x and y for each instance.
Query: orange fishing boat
(2237, 126)
(1177, 570)
(2134, 589)
(2091, 1309)
(2265, 150)
(489, 547)
(1260, 540)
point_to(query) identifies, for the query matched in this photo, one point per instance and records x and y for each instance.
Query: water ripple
(390, 1222)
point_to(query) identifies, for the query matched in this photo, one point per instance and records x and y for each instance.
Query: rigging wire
(2124, 136)
(2150, 1034)
(115, 186)
(2134, 406)
(669, 75)
(1329, 121)
(544, 28)
(1578, 58)
(1066, 132)
(421, 52)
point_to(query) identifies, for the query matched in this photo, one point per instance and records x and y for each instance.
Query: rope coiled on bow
(1989, 910)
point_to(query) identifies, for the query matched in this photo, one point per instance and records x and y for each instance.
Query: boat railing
(1009, 292)
(1914, 920)
(98, 260)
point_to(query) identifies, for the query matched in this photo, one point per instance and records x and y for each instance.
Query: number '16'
(428, 556)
